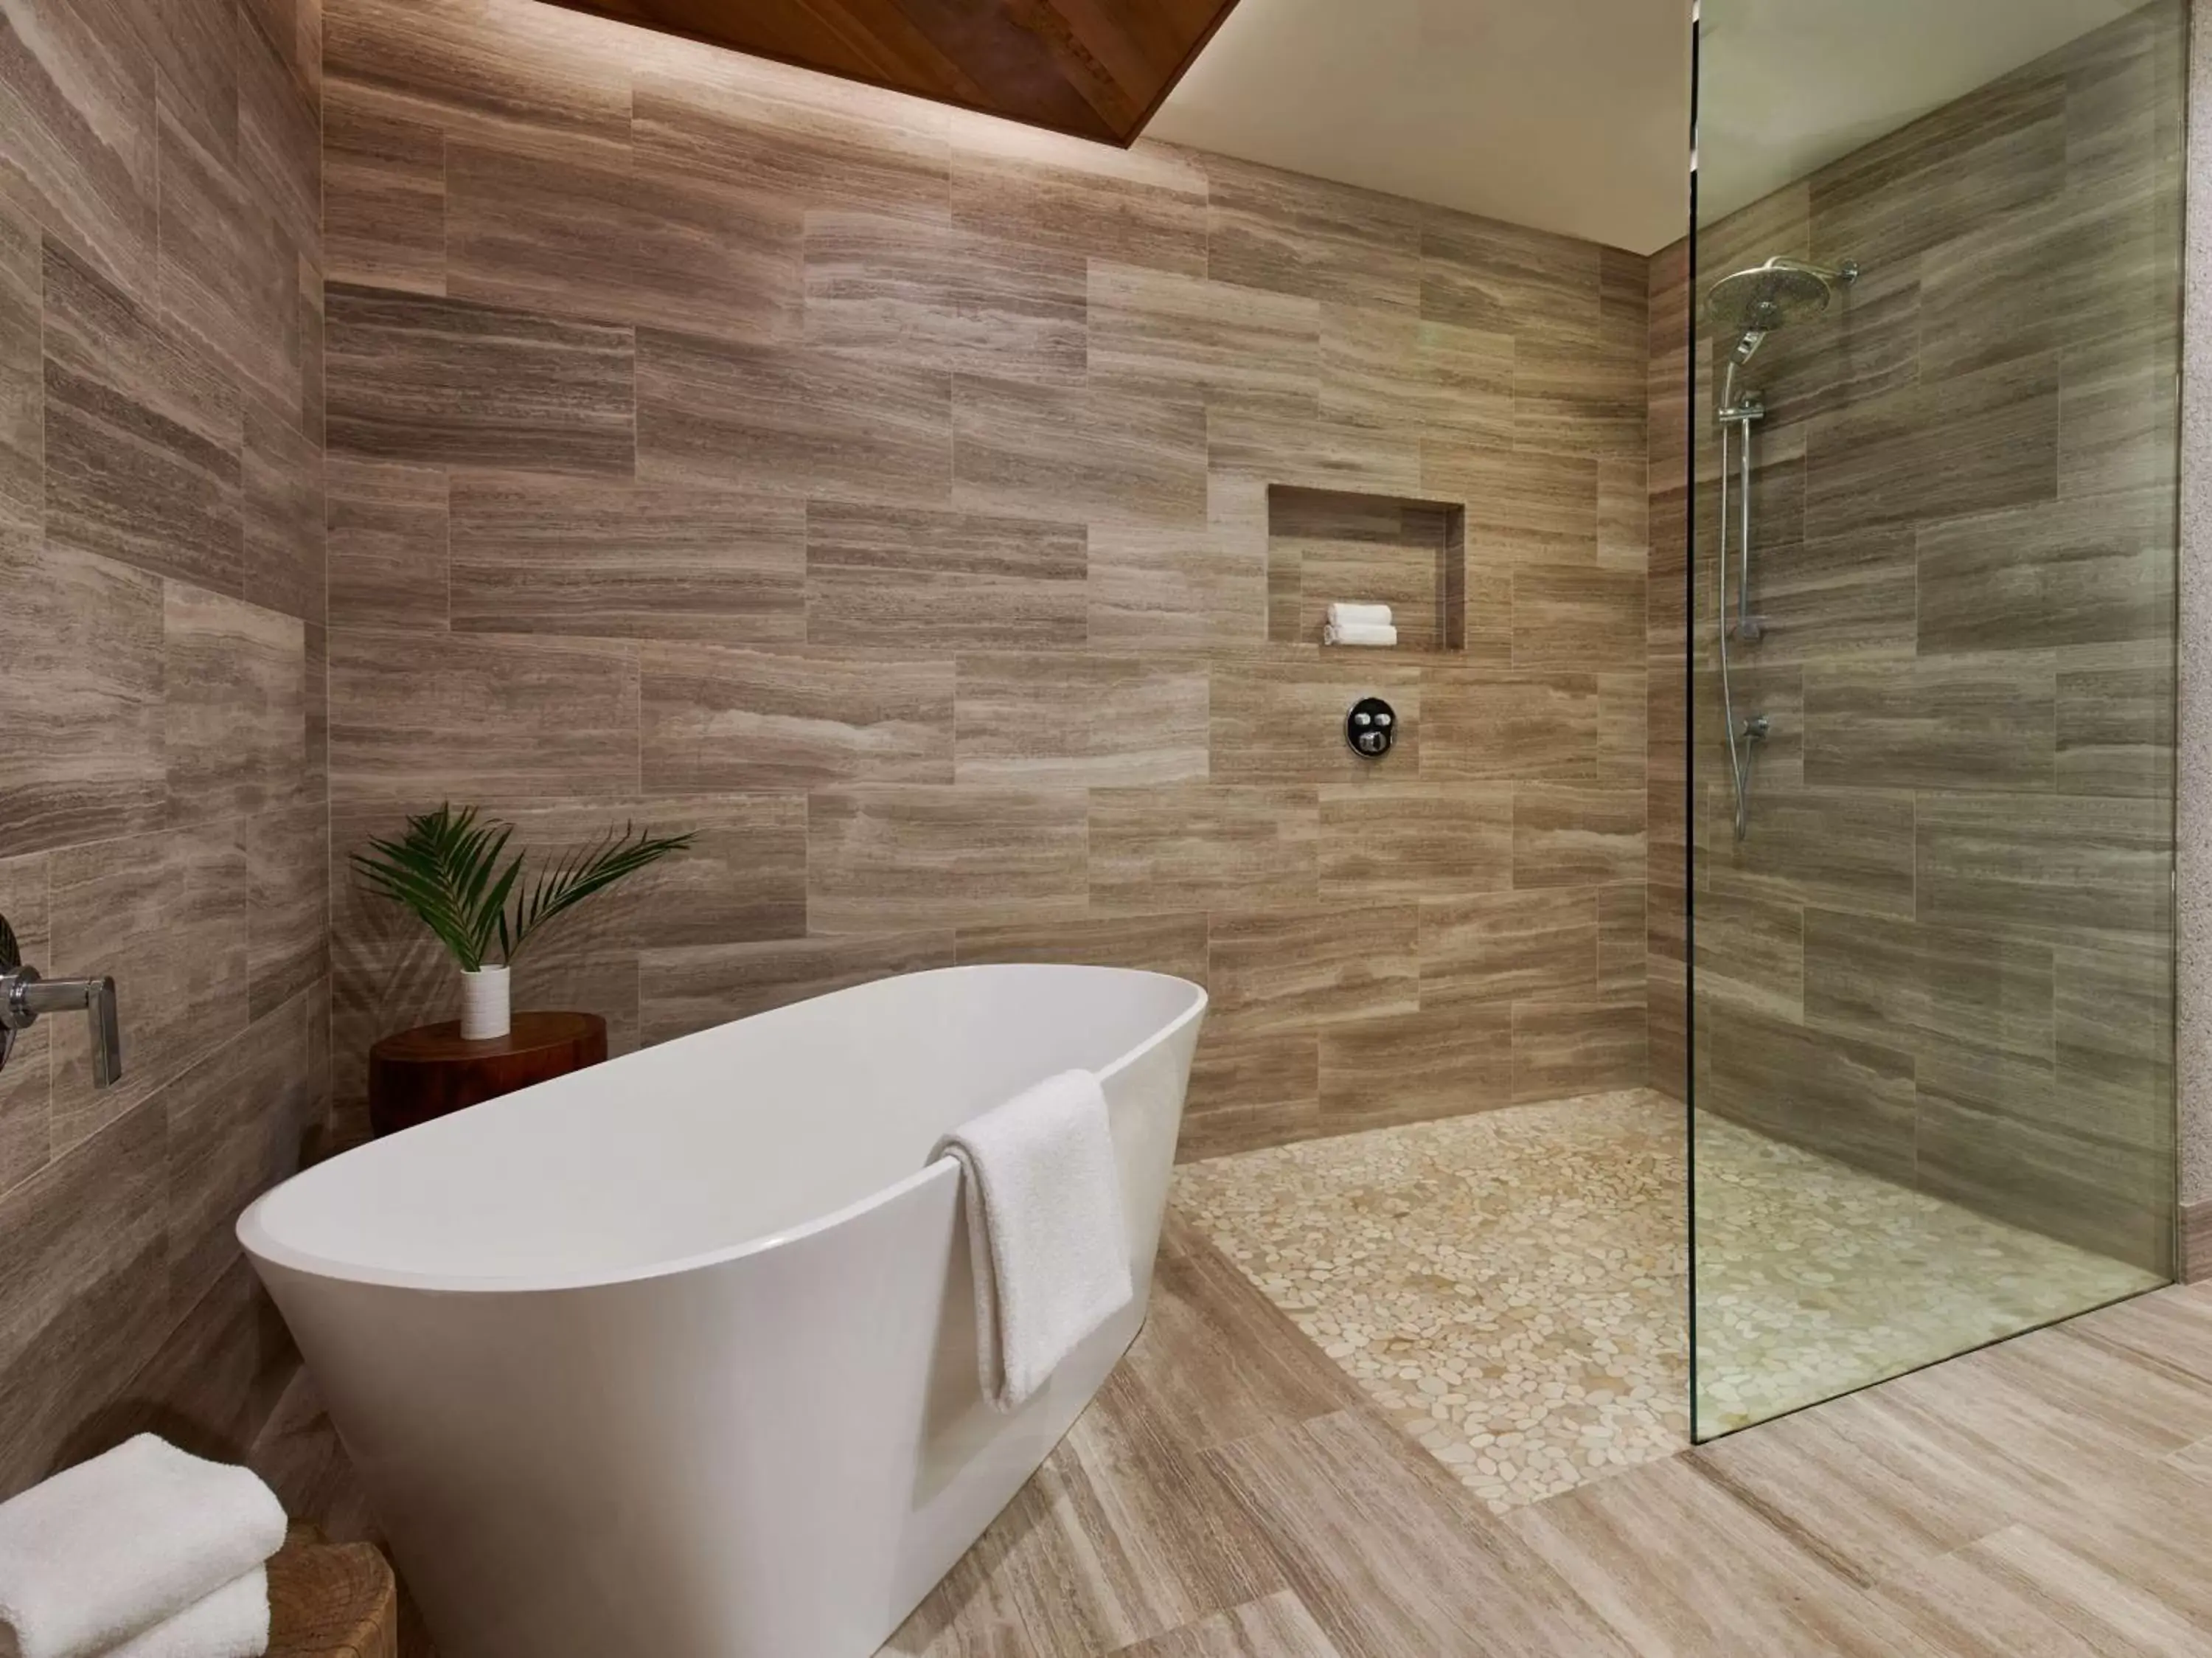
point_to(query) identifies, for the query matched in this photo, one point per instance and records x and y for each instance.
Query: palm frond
(447, 867)
(454, 873)
(580, 873)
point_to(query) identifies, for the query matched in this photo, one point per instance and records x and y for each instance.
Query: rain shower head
(1754, 303)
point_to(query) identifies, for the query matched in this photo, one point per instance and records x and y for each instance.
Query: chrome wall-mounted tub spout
(25, 995)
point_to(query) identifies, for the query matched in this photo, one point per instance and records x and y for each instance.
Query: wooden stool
(428, 1071)
(331, 1601)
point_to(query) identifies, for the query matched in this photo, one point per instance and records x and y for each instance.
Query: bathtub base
(687, 1547)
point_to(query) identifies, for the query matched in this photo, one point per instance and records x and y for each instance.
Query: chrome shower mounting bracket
(24, 995)
(1751, 304)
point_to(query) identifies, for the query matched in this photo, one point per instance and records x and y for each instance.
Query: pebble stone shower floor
(1512, 1286)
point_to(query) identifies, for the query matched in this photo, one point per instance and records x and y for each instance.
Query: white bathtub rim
(263, 1246)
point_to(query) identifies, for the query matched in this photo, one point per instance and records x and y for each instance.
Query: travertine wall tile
(384, 179)
(167, 914)
(83, 638)
(1187, 588)
(1146, 207)
(417, 718)
(1173, 944)
(25, 1146)
(81, 134)
(437, 381)
(1105, 453)
(690, 987)
(1414, 840)
(1248, 1091)
(119, 381)
(718, 718)
(162, 807)
(902, 482)
(1275, 971)
(944, 297)
(1565, 835)
(1204, 846)
(388, 537)
(1509, 946)
(85, 1286)
(236, 1123)
(280, 473)
(532, 553)
(1243, 346)
(942, 581)
(918, 857)
(1040, 719)
(1267, 228)
(1563, 1049)
(1477, 273)
(1573, 617)
(1278, 716)
(578, 225)
(1411, 1068)
(235, 730)
(760, 129)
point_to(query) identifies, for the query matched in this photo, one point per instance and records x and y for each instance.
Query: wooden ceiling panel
(1094, 67)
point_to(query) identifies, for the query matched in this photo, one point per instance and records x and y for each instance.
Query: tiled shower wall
(163, 807)
(883, 492)
(1945, 951)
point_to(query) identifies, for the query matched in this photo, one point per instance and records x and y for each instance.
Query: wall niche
(1327, 546)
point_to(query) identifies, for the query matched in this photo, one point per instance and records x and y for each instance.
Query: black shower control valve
(1370, 728)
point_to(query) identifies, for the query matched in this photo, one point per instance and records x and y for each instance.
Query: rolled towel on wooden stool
(104, 1551)
(232, 1623)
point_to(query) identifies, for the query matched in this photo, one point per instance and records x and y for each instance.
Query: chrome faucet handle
(25, 994)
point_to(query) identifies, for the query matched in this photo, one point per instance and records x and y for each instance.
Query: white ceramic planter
(484, 1007)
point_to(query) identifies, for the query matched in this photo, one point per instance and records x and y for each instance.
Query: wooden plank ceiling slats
(1096, 69)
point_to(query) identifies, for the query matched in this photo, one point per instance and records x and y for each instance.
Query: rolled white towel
(232, 1623)
(1341, 615)
(107, 1550)
(1357, 633)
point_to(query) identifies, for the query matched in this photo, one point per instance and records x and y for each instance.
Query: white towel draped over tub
(105, 1551)
(1045, 1230)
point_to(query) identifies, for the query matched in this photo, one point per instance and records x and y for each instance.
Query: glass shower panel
(1931, 303)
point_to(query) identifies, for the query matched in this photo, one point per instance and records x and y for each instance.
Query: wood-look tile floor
(1233, 1494)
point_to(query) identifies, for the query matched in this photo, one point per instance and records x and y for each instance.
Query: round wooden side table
(429, 1071)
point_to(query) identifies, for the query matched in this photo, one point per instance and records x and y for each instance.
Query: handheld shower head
(1747, 347)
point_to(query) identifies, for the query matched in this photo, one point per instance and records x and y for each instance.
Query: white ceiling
(1573, 115)
(1790, 85)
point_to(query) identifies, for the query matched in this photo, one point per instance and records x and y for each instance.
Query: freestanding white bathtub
(676, 1356)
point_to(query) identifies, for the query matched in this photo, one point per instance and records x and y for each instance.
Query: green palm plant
(454, 873)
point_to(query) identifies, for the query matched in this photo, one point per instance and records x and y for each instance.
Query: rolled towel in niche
(1355, 615)
(1359, 633)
